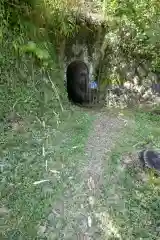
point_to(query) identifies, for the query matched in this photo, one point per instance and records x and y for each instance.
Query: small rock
(130, 74)
(4, 211)
(136, 80)
(147, 95)
(141, 71)
(141, 89)
(157, 100)
(91, 184)
(41, 230)
(89, 221)
(152, 77)
(128, 85)
(91, 200)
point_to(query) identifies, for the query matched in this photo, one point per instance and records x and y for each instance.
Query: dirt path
(102, 139)
(76, 216)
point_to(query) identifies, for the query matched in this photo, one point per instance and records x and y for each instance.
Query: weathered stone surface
(130, 94)
(105, 59)
(152, 77)
(142, 72)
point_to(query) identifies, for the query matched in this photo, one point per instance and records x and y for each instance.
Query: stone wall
(85, 44)
(106, 61)
(127, 80)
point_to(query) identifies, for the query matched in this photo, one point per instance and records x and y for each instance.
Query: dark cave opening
(78, 82)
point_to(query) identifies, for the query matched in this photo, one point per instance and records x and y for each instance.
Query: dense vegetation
(139, 23)
(40, 131)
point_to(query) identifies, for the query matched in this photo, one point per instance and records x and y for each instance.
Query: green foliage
(51, 16)
(51, 138)
(40, 54)
(34, 129)
(131, 194)
(137, 23)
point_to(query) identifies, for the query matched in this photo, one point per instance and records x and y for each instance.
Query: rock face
(107, 63)
(130, 94)
(85, 46)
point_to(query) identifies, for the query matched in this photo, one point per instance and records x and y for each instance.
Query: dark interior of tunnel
(78, 82)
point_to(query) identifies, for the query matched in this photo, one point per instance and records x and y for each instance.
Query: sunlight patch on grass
(107, 226)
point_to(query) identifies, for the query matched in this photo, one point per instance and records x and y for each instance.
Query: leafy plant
(137, 25)
(39, 53)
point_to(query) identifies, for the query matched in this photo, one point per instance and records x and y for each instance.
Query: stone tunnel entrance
(78, 83)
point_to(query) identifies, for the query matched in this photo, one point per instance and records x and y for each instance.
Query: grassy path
(38, 163)
(79, 178)
(79, 205)
(46, 178)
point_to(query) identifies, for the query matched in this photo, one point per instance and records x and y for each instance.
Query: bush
(136, 24)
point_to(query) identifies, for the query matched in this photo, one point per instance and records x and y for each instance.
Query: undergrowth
(41, 134)
(131, 194)
(42, 137)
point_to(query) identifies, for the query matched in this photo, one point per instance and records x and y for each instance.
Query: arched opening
(78, 82)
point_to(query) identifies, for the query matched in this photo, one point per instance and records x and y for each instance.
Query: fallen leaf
(89, 221)
(54, 171)
(41, 181)
(91, 200)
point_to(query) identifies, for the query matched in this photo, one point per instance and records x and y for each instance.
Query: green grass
(33, 154)
(41, 138)
(131, 201)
